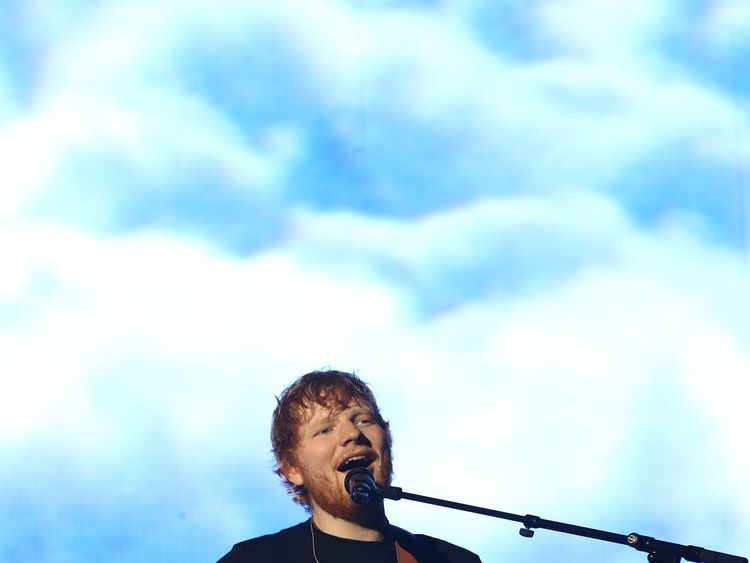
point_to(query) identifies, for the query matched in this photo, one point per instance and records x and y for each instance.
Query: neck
(372, 530)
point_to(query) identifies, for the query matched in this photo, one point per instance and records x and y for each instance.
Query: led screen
(524, 223)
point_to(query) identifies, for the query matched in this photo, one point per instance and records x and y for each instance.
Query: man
(325, 424)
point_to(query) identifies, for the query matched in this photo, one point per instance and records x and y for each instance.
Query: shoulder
(266, 548)
(433, 550)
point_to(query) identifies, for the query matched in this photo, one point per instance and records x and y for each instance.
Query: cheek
(378, 440)
(318, 456)
(382, 439)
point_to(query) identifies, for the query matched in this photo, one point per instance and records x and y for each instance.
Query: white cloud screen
(525, 224)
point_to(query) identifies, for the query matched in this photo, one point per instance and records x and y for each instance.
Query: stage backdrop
(524, 222)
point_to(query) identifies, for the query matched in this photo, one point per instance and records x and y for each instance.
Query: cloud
(504, 248)
(608, 30)
(725, 25)
(159, 159)
(385, 111)
(6, 97)
(491, 247)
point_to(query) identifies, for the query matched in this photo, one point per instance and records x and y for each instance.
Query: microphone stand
(658, 551)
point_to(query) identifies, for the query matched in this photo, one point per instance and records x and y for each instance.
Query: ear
(293, 474)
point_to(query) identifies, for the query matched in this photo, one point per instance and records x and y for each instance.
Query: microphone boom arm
(659, 551)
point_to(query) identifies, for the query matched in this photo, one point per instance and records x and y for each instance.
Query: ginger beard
(330, 495)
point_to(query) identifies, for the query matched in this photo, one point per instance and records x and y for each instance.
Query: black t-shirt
(332, 549)
(295, 545)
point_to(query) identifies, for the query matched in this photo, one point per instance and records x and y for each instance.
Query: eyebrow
(354, 410)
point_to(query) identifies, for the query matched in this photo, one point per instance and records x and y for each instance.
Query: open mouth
(356, 461)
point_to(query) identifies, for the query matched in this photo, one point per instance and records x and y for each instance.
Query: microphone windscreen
(360, 484)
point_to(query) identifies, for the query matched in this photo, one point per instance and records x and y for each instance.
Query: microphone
(361, 485)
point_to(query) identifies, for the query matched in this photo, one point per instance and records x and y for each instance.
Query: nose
(350, 432)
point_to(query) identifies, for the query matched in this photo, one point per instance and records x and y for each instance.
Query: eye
(363, 420)
(323, 431)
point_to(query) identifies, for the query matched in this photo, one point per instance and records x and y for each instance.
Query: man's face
(332, 442)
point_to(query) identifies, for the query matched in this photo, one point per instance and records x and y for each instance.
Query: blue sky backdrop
(525, 223)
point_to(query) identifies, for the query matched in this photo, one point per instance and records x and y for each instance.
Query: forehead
(329, 409)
